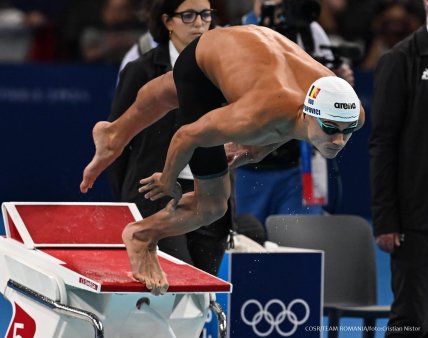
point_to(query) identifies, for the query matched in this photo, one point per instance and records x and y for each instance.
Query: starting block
(66, 273)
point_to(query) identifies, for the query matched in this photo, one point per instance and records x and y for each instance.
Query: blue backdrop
(47, 114)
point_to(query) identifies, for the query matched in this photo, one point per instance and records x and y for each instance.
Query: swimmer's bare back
(264, 77)
(242, 58)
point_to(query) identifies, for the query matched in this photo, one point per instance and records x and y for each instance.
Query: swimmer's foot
(143, 259)
(105, 153)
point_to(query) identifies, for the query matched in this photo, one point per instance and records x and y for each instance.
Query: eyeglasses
(191, 15)
(331, 130)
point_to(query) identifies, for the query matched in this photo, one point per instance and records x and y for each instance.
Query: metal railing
(58, 307)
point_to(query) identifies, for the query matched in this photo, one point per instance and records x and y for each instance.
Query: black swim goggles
(190, 15)
(331, 130)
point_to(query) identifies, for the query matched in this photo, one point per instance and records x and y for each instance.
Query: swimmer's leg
(154, 100)
(202, 207)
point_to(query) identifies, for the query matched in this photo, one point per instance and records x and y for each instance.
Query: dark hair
(156, 26)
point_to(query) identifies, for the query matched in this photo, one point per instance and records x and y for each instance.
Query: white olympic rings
(285, 313)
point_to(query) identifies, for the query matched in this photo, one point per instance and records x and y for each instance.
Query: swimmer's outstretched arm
(154, 100)
(232, 123)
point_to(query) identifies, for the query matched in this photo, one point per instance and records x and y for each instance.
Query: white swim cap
(332, 98)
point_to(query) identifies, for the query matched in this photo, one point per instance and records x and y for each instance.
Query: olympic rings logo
(274, 322)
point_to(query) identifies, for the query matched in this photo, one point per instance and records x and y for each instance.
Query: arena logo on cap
(313, 93)
(311, 110)
(342, 105)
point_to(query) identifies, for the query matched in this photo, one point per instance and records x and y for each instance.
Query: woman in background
(173, 25)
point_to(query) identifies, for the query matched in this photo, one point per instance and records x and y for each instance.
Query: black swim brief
(197, 95)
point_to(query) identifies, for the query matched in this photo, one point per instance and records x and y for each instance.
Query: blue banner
(47, 113)
(274, 295)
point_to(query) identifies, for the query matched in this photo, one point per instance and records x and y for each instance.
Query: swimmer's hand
(155, 187)
(239, 155)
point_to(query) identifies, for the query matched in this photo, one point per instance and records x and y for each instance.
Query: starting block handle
(58, 307)
(221, 318)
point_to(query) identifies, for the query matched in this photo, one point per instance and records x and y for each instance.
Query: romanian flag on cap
(313, 93)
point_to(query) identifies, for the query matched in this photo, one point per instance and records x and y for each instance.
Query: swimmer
(248, 87)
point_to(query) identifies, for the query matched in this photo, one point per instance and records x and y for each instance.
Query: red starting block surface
(86, 239)
(110, 268)
(69, 225)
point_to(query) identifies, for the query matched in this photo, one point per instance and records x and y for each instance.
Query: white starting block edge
(10, 208)
(38, 271)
